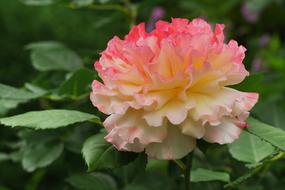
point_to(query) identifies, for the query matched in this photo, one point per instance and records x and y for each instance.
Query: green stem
(255, 170)
(181, 165)
(187, 171)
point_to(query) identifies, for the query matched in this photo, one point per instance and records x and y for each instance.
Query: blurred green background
(85, 26)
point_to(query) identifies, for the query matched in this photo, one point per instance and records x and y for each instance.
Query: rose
(167, 88)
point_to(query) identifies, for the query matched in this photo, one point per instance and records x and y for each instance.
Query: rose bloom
(164, 89)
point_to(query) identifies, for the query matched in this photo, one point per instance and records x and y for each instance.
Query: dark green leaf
(134, 170)
(276, 116)
(81, 3)
(79, 83)
(99, 154)
(249, 148)
(40, 155)
(135, 187)
(47, 119)
(37, 2)
(4, 157)
(200, 174)
(95, 181)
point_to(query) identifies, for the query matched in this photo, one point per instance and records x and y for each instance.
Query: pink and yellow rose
(164, 89)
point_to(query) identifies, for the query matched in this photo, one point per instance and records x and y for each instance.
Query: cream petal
(175, 145)
(192, 128)
(175, 111)
(224, 133)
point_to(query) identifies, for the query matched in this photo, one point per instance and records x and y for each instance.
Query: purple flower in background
(157, 13)
(263, 40)
(249, 15)
(257, 64)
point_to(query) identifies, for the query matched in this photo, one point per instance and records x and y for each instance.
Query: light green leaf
(79, 83)
(46, 56)
(200, 174)
(95, 181)
(35, 89)
(40, 155)
(11, 93)
(47, 119)
(249, 148)
(99, 154)
(274, 136)
(37, 2)
(11, 97)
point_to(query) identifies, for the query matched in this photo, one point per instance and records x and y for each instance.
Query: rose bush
(173, 96)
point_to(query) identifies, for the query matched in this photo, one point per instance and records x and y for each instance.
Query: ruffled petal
(226, 132)
(175, 111)
(175, 145)
(106, 100)
(216, 105)
(192, 128)
(130, 128)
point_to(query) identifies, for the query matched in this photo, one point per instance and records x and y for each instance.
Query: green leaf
(95, 181)
(81, 3)
(157, 166)
(134, 170)
(99, 154)
(47, 119)
(35, 89)
(79, 83)
(11, 93)
(274, 136)
(47, 56)
(249, 148)
(135, 187)
(4, 157)
(200, 174)
(276, 116)
(37, 2)
(3, 188)
(152, 181)
(252, 83)
(41, 155)
(10, 97)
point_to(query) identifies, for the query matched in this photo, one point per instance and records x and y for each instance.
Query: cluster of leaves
(51, 137)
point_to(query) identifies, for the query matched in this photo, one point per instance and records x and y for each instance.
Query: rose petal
(175, 146)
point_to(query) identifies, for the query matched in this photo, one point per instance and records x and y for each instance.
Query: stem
(181, 165)
(187, 171)
(255, 170)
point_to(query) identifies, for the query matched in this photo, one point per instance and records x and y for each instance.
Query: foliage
(51, 137)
